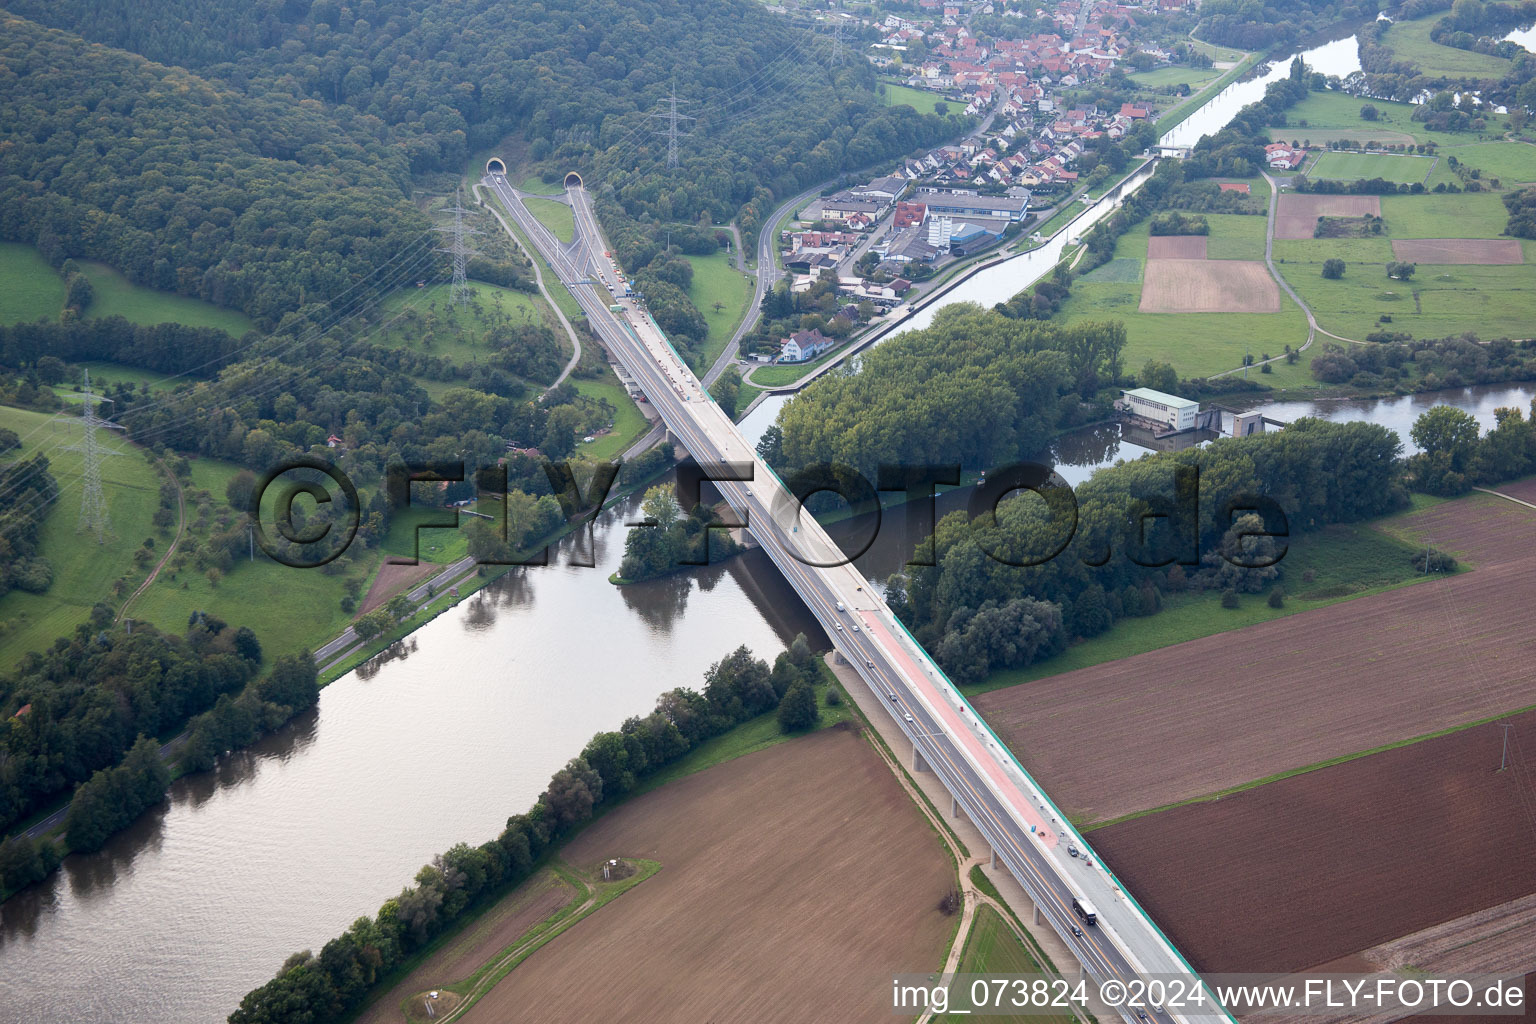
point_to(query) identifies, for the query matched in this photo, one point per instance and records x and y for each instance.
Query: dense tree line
(974, 388)
(978, 613)
(1453, 458)
(1403, 363)
(27, 493)
(93, 692)
(1522, 213)
(319, 989)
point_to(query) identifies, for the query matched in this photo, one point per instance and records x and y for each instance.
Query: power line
(93, 505)
(459, 294)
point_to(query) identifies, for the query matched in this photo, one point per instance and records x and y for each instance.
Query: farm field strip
(1296, 215)
(1208, 286)
(1467, 251)
(1204, 716)
(1343, 859)
(764, 863)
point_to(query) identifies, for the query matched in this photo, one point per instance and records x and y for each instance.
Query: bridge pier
(1037, 913)
(994, 858)
(918, 764)
(954, 806)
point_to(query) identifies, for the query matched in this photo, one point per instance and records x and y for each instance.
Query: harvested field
(394, 578)
(1203, 716)
(774, 865)
(497, 929)
(1484, 252)
(1208, 286)
(1340, 860)
(1176, 247)
(1524, 489)
(1480, 529)
(1296, 216)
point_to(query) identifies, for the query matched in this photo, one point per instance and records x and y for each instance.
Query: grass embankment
(629, 423)
(83, 570)
(425, 320)
(919, 100)
(31, 290)
(717, 281)
(778, 376)
(993, 947)
(557, 217)
(1334, 564)
(1177, 114)
(1410, 41)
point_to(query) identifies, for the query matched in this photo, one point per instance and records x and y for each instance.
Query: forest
(1257, 25)
(974, 388)
(270, 164)
(1009, 589)
(95, 691)
(319, 989)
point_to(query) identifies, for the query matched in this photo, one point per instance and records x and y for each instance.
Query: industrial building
(1168, 411)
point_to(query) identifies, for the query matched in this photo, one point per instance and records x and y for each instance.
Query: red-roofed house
(1284, 157)
(1135, 113)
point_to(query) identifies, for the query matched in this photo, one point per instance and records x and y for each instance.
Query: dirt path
(1269, 261)
(181, 528)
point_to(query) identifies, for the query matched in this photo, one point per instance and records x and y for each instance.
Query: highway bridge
(1026, 831)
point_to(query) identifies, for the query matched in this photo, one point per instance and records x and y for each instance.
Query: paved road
(1028, 833)
(768, 273)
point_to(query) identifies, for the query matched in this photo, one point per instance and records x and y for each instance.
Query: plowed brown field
(1296, 215)
(793, 880)
(1339, 860)
(1480, 529)
(1208, 286)
(1176, 247)
(1199, 717)
(1468, 251)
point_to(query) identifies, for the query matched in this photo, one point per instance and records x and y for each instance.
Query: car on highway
(1077, 931)
(839, 627)
(891, 694)
(908, 718)
(855, 627)
(868, 663)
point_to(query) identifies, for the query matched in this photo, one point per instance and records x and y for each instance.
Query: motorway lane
(946, 739)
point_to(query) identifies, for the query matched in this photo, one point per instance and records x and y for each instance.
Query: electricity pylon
(93, 504)
(671, 130)
(459, 293)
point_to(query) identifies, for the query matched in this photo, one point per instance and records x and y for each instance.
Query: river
(439, 741)
(287, 843)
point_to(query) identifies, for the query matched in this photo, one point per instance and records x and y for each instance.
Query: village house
(803, 345)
